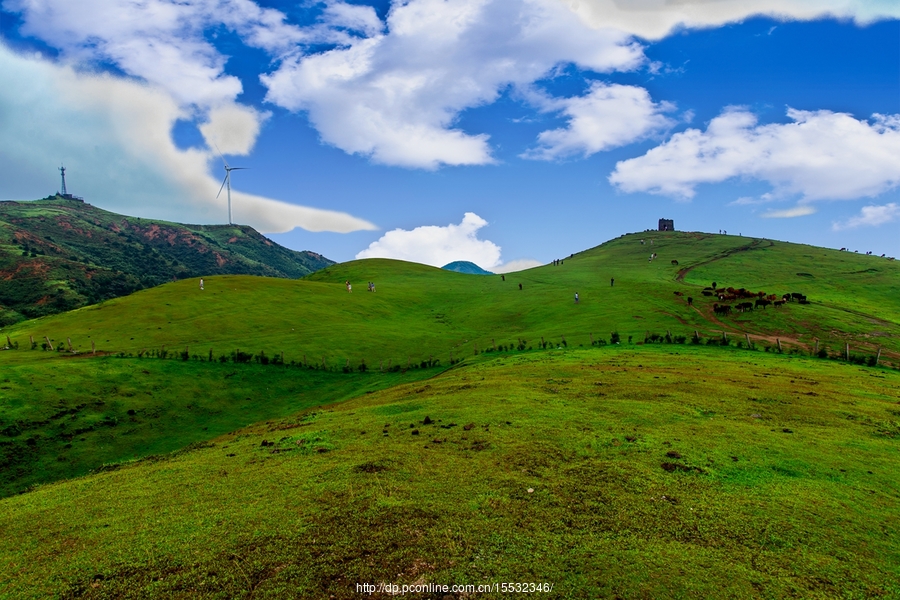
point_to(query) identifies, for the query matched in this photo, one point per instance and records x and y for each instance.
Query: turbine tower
(62, 170)
(227, 183)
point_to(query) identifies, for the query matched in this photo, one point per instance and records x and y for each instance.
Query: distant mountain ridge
(464, 266)
(57, 254)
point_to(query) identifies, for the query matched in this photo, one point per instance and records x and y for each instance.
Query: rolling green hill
(550, 454)
(58, 254)
(656, 472)
(419, 311)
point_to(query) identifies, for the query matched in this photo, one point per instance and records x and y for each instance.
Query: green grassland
(419, 311)
(780, 483)
(654, 472)
(63, 418)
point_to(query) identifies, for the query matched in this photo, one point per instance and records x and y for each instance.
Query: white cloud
(159, 41)
(114, 137)
(790, 213)
(396, 96)
(655, 19)
(607, 116)
(438, 246)
(233, 128)
(820, 156)
(871, 216)
(517, 265)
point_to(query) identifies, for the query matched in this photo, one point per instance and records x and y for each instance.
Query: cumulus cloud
(871, 216)
(821, 155)
(396, 95)
(607, 116)
(114, 137)
(233, 128)
(159, 41)
(437, 246)
(655, 19)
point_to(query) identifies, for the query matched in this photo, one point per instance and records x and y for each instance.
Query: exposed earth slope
(58, 254)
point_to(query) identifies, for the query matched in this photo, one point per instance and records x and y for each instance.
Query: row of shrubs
(655, 338)
(240, 357)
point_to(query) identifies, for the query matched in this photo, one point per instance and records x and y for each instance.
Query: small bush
(614, 337)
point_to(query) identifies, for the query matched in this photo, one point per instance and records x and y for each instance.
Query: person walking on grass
(201, 283)
(576, 297)
(349, 287)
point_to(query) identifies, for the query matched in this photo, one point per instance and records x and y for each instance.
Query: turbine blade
(238, 168)
(221, 188)
(222, 155)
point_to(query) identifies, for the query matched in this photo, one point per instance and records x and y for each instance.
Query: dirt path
(751, 246)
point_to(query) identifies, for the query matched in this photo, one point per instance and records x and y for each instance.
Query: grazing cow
(762, 302)
(772, 297)
(786, 298)
(675, 262)
(679, 293)
(706, 293)
(796, 295)
(690, 301)
(778, 303)
(745, 306)
(724, 309)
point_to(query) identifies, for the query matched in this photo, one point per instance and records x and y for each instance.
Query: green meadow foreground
(617, 472)
(285, 438)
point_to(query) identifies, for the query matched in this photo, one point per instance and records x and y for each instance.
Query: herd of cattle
(750, 299)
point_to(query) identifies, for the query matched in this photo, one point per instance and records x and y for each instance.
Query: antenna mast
(62, 170)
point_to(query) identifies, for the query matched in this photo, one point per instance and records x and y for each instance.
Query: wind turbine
(227, 182)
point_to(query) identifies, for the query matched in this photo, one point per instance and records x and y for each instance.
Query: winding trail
(756, 243)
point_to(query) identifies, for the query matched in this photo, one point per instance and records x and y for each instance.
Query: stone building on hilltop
(666, 225)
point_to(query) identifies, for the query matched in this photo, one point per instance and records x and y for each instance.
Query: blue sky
(506, 132)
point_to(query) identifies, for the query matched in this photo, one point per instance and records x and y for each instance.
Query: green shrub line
(238, 356)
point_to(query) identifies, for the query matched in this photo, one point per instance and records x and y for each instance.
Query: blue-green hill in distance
(464, 266)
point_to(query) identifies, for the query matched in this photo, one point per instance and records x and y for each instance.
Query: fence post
(878, 356)
(724, 336)
(747, 337)
(778, 341)
(31, 337)
(9, 343)
(847, 350)
(816, 351)
(48, 342)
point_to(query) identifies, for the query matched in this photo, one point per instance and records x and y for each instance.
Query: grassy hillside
(660, 472)
(420, 311)
(58, 254)
(61, 419)
(623, 470)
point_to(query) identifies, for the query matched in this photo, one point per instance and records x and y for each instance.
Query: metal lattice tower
(62, 170)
